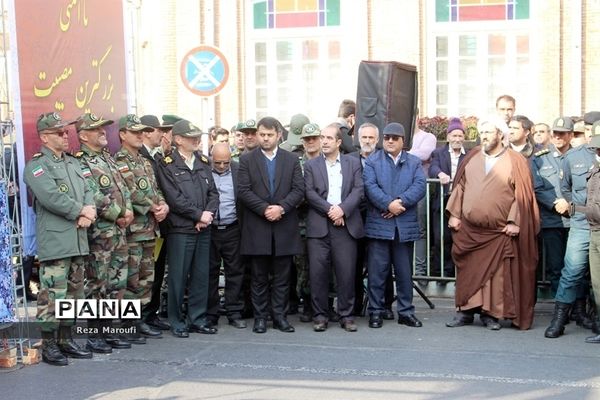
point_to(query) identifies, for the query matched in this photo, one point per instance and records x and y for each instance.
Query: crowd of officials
(302, 216)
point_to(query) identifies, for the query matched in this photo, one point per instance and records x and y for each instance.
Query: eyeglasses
(394, 138)
(221, 162)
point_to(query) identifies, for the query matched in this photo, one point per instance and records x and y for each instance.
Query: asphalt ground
(393, 362)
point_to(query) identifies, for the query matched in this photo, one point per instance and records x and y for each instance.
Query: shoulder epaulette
(37, 155)
(79, 154)
(542, 152)
(167, 160)
(204, 159)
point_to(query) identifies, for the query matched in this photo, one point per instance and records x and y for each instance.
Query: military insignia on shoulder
(142, 183)
(79, 154)
(204, 159)
(542, 152)
(168, 160)
(104, 181)
(123, 168)
(37, 155)
(86, 172)
(63, 188)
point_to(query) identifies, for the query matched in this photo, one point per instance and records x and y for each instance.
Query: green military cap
(296, 123)
(595, 139)
(247, 126)
(51, 121)
(562, 124)
(309, 130)
(152, 121)
(131, 122)
(186, 128)
(170, 119)
(91, 121)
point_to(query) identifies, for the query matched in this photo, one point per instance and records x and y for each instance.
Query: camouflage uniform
(60, 192)
(106, 272)
(141, 234)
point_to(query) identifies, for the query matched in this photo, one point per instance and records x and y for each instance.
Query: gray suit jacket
(317, 187)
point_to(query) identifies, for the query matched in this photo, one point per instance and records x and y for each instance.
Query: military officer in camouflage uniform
(149, 208)
(106, 272)
(65, 208)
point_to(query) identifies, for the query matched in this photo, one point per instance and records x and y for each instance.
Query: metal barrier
(435, 186)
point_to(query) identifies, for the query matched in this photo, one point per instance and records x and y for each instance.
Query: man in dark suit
(444, 163)
(225, 241)
(270, 188)
(334, 190)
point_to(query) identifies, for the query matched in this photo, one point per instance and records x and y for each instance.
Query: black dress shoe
(460, 319)
(593, 339)
(409, 320)
(148, 331)
(260, 325)
(116, 342)
(71, 348)
(51, 353)
(237, 323)
(490, 322)
(98, 345)
(180, 332)
(388, 314)
(375, 321)
(283, 325)
(320, 326)
(158, 323)
(204, 329)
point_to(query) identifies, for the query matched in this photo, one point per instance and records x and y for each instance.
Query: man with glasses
(65, 208)
(495, 218)
(225, 241)
(394, 183)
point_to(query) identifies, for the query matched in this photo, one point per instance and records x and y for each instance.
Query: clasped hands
(395, 208)
(205, 220)
(86, 217)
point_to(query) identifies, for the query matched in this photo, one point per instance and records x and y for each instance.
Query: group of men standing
(101, 219)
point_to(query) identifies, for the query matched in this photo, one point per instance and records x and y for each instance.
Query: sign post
(204, 71)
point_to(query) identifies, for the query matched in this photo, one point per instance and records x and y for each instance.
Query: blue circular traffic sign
(204, 70)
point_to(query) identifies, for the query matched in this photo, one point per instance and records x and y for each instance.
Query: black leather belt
(223, 227)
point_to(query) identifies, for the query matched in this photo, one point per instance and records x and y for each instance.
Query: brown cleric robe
(494, 271)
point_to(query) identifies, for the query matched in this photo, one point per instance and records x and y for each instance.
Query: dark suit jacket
(440, 162)
(258, 234)
(316, 185)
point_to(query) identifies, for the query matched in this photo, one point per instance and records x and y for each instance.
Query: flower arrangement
(438, 125)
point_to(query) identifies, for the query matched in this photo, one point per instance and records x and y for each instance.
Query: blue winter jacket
(385, 182)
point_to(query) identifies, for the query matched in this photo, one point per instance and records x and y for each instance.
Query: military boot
(70, 347)
(559, 319)
(96, 342)
(579, 314)
(50, 352)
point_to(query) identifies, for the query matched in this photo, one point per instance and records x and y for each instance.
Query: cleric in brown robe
(495, 219)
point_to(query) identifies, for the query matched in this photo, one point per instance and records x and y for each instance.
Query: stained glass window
(276, 14)
(481, 10)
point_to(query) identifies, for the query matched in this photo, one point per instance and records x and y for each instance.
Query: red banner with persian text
(71, 60)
